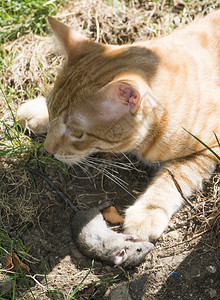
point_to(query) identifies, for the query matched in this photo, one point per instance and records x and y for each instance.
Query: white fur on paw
(35, 113)
(146, 223)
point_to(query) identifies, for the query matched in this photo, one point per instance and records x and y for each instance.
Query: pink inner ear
(120, 257)
(116, 100)
(132, 238)
(122, 253)
(127, 95)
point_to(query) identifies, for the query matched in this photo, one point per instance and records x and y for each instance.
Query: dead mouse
(94, 239)
(92, 236)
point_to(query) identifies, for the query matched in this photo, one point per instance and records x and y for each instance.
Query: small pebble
(211, 269)
(120, 293)
(76, 253)
(212, 293)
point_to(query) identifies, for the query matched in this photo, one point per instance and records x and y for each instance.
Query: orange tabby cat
(139, 98)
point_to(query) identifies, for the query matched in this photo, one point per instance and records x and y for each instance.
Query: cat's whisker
(127, 158)
(103, 165)
(71, 164)
(107, 162)
(87, 172)
(103, 168)
(121, 183)
(53, 122)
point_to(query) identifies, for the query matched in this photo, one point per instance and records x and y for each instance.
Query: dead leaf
(14, 263)
(9, 264)
(8, 46)
(111, 215)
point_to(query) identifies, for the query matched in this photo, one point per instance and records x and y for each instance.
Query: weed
(19, 17)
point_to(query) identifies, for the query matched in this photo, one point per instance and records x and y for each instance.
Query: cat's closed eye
(73, 131)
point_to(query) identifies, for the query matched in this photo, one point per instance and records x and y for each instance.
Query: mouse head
(133, 253)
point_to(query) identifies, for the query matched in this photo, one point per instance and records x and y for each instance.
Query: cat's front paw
(35, 113)
(146, 223)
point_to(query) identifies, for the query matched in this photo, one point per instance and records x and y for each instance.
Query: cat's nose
(49, 147)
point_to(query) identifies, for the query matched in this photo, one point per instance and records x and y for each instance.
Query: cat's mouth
(71, 159)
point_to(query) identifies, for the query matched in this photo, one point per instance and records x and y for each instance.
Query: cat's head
(96, 102)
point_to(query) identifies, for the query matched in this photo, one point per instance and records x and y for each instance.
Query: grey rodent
(94, 239)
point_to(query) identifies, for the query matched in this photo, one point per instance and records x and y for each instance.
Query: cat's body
(139, 98)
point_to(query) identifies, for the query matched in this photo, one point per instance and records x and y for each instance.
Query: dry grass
(208, 206)
(35, 64)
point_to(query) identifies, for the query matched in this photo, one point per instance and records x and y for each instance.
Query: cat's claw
(35, 113)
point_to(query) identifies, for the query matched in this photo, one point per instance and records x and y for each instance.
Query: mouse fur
(95, 240)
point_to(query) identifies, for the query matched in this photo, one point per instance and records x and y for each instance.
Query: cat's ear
(118, 99)
(72, 41)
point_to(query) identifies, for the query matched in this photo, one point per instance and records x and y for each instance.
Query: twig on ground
(179, 189)
(58, 191)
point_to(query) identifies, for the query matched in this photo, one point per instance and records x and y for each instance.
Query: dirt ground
(184, 263)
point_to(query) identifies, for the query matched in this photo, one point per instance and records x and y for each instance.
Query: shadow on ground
(54, 256)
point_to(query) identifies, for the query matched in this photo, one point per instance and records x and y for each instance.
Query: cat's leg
(150, 214)
(35, 113)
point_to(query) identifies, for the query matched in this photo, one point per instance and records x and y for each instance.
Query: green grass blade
(217, 139)
(207, 147)
(79, 285)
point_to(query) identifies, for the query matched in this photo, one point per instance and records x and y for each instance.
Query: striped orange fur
(139, 98)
